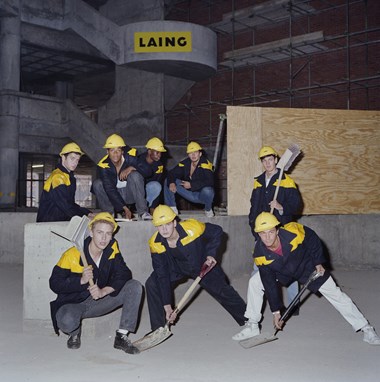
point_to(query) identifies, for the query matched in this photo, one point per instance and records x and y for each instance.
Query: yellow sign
(148, 42)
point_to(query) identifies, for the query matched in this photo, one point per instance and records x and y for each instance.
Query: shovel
(76, 232)
(284, 164)
(263, 338)
(161, 334)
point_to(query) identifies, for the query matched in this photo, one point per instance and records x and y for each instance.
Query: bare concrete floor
(317, 345)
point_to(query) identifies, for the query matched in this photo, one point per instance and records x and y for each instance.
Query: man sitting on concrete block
(57, 201)
(96, 289)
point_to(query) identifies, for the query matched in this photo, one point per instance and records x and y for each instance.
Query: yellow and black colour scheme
(108, 174)
(203, 176)
(66, 275)
(196, 241)
(57, 202)
(288, 196)
(301, 252)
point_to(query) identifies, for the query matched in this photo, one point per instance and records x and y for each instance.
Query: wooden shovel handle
(85, 263)
(204, 270)
(277, 188)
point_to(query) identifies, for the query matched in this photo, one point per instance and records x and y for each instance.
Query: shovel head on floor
(152, 339)
(262, 338)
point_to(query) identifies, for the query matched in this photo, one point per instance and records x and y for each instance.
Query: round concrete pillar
(9, 111)
(10, 53)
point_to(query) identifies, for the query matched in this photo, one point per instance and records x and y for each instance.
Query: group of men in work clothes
(283, 254)
(286, 253)
(126, 178)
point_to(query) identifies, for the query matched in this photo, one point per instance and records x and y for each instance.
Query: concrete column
(9, 116)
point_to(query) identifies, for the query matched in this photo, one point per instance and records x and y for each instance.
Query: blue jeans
(69, 316)
(153, 190)
(204, 196)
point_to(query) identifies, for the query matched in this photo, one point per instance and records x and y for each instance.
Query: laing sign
(148, 42)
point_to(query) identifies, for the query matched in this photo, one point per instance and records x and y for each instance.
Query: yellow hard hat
(71, 148)
(267, 150)
(114, 141)
(155, 144)
(265, 221)
(163, 215)
(105, 217)
(193, 146)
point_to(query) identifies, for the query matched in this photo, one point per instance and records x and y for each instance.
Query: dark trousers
(214, 283)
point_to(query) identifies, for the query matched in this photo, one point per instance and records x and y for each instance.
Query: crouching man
(178, 250)
(287, 254)
(112, 286)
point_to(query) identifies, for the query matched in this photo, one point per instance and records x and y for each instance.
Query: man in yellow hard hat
(286, 254)
(99, 288)
(121, 180)
(193, 179)
(57, 202)
(178, 250)
(287, 204)
(152, 160)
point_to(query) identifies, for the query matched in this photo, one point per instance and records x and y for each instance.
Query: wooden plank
(338, 172)
(243, 144)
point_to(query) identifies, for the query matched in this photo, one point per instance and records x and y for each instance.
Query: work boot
(251, 329)
(74, 341)
(122, 342)
(146, 216)
(209, 213)
(370, 335)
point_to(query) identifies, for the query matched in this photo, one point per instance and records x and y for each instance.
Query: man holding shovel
(286, 254)
(285, 206)
(95, 285)
(178, 251)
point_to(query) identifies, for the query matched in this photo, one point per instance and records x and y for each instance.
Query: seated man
(287, 254)
(121, 181)
(57, 201)
(79, 298)
(193, 179)
(178, 251)
(153, 182)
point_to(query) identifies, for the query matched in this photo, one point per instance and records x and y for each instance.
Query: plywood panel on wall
(338, 172)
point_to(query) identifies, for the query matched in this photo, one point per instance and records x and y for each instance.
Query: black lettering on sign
(182, 41)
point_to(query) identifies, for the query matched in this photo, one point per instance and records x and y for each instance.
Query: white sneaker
(146, 216)
(251, 329)
(370, 335)
(175, 209)
(209, 213)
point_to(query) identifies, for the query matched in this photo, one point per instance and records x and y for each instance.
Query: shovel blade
(153, 339)
(262, 338)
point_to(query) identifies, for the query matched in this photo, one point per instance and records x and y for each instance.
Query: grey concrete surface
(317, 345)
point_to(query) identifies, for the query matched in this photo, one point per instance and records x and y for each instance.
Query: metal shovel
(76, 232)
(263, 338)
(161, 334)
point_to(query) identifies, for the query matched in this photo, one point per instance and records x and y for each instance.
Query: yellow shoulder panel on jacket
(115, 251)
(207, 166)
(180, 164)
(262, 260)
(298, 230)
(193, 229)
(156, 247)
(70, 260)
(102, 162)
(57, 178)
(132, 152)
(288, 182)
(256, 184)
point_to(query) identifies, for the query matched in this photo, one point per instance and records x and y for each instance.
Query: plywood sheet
(338, 171)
